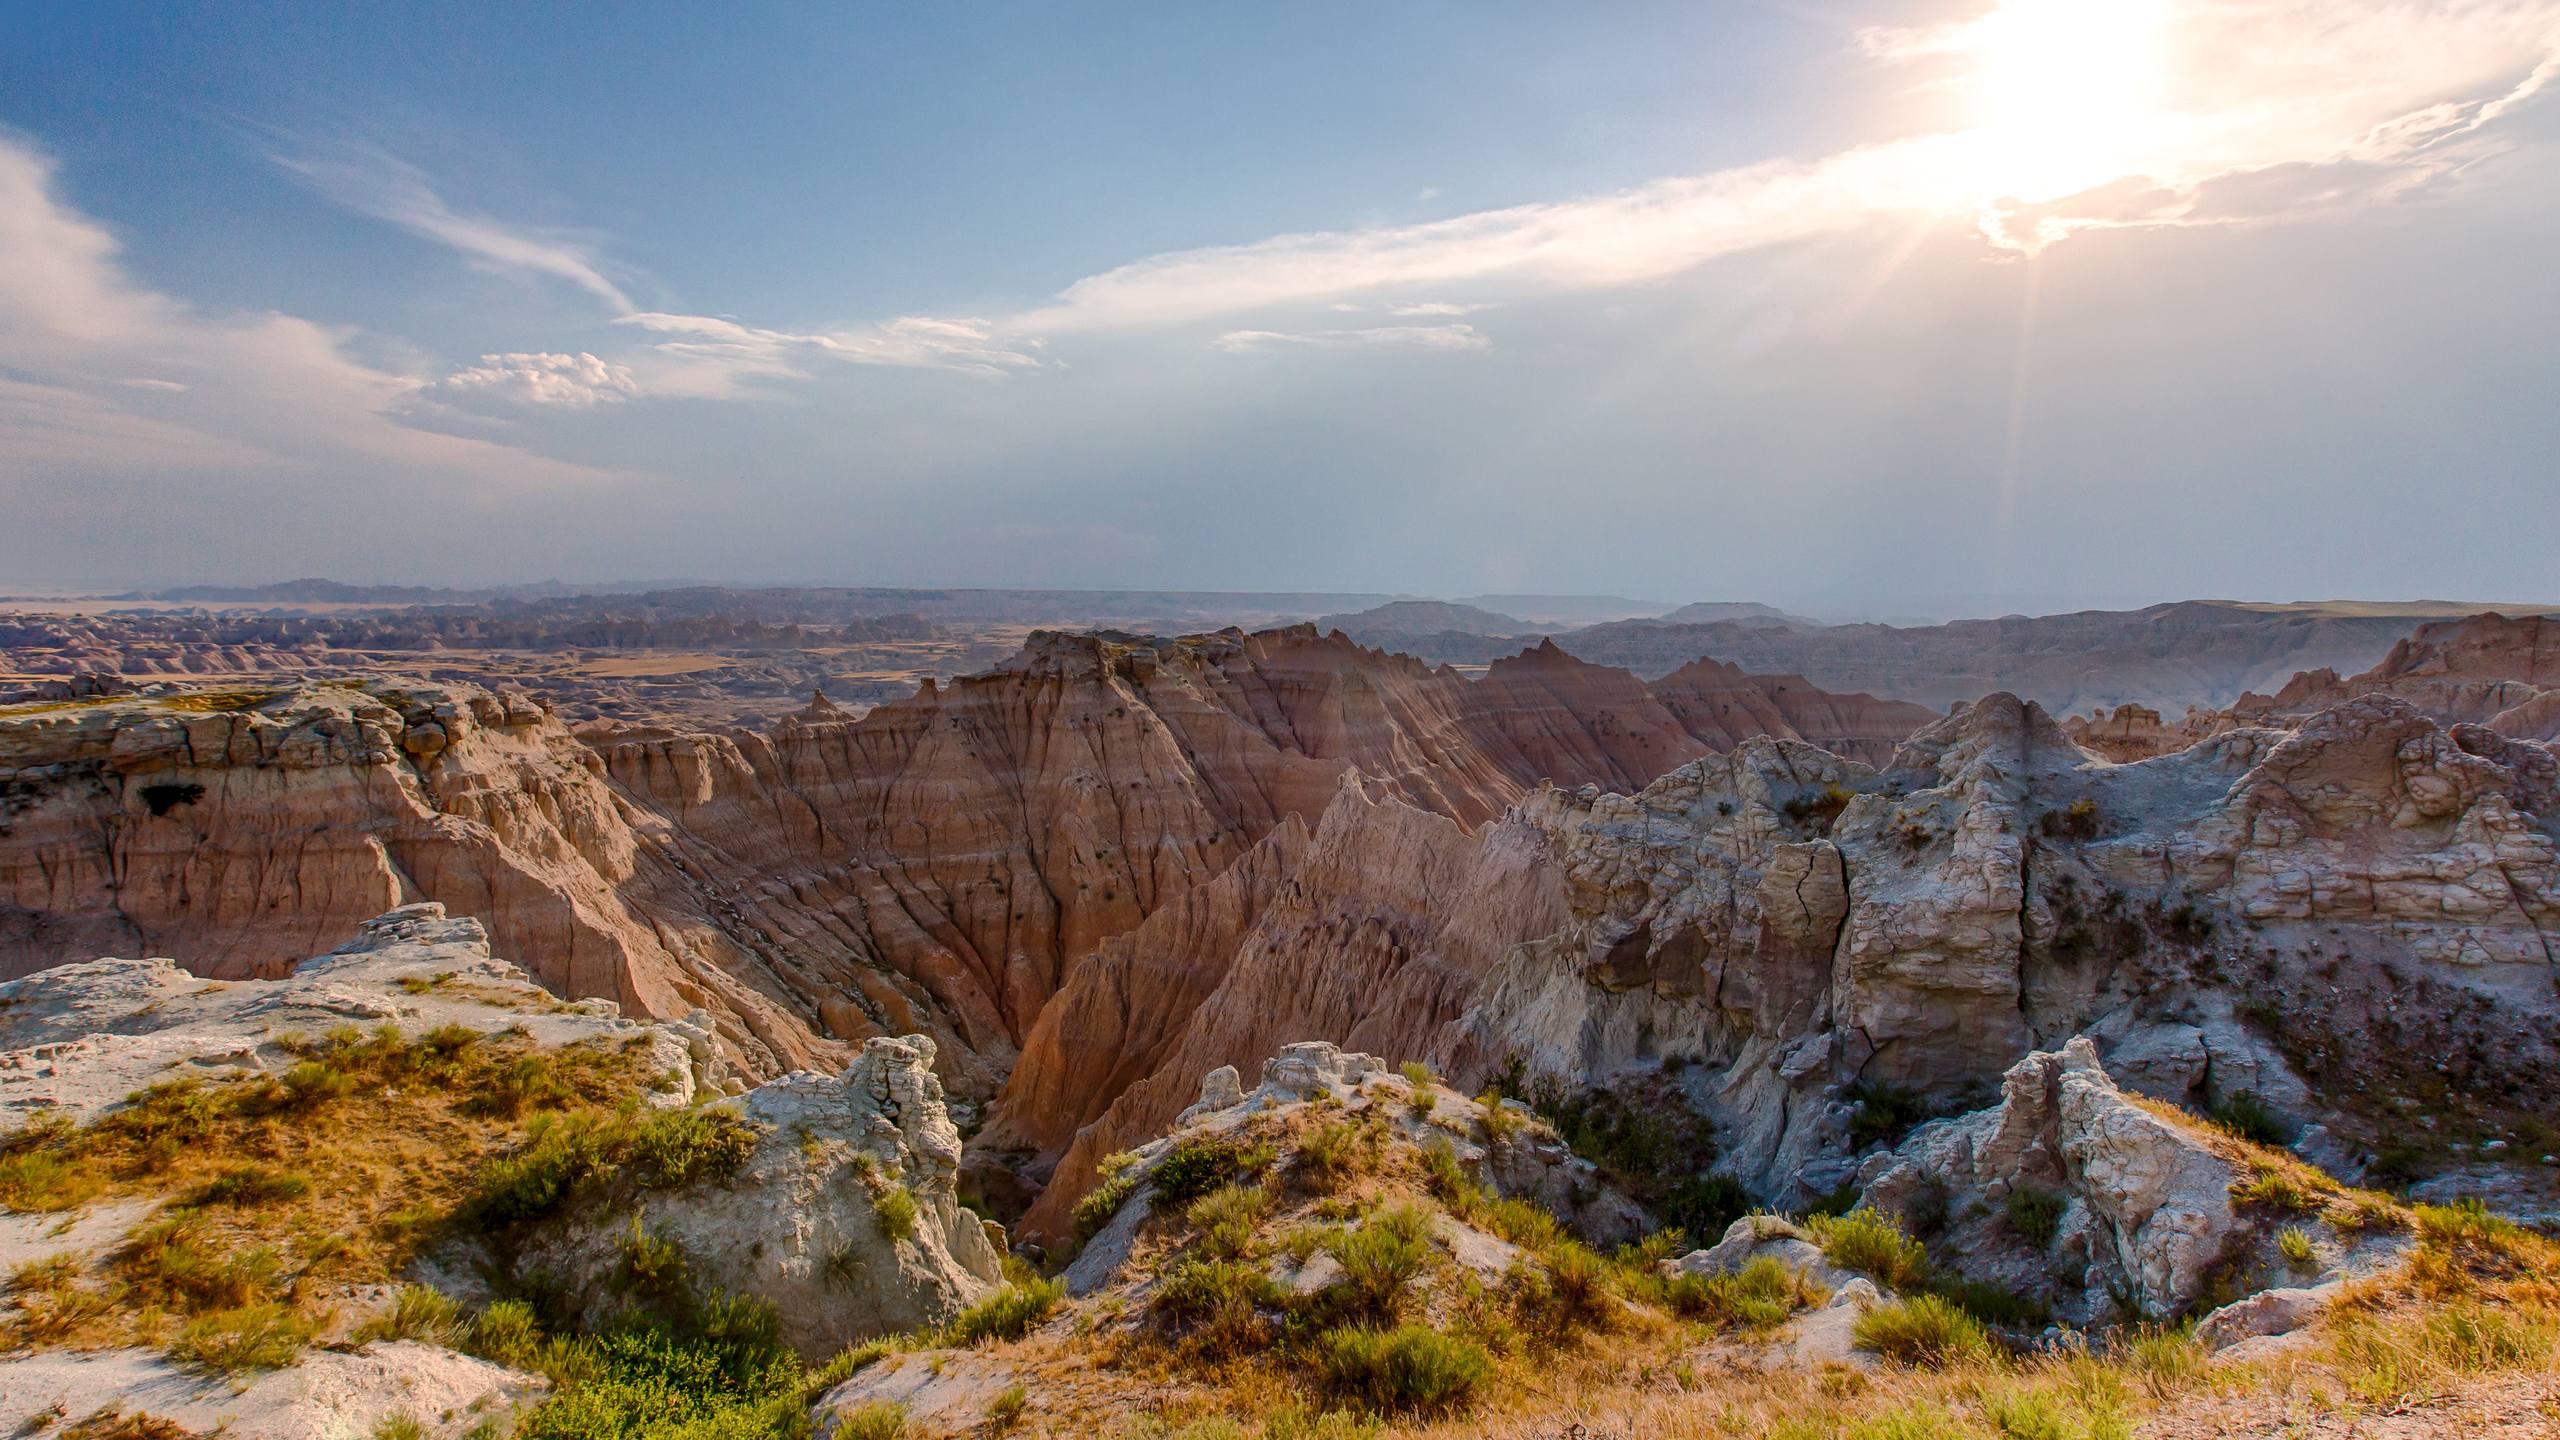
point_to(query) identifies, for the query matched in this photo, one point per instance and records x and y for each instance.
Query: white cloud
(576, 381)
(263, 393)
(711, 354)
(2408, 85)
(387, 189)
(1431, 309)
(1417, 337)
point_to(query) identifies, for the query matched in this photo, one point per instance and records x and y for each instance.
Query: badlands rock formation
(2172, 655)
(2489, 670)
(800, 1223)
(937, 866)
(2381, 894)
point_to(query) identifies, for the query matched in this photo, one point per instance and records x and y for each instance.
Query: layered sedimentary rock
(2205, 652)
(1797, 930)
(1377, 937)
(938, 865)
(2492, 670)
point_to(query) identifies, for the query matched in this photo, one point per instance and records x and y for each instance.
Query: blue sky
(1861, 307)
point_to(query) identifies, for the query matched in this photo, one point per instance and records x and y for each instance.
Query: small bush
(1442, 1174)
(1005, 1411)
(1703, 1204)
(1096, 1206)
(1991, 1304)
(1329, 1154)
(873, 1420)
(1007, 1314)
(2034, 1216)
(894, 1207)
(1419, 1080)
(506, 1334)
(1193, 1168)
(246, 1185)
(1227, 1218)
(1759, 1296)
(1871, 1243)
(2279, 1187)
(1379, 1258)
(264, 1336)
(1409, 1369)
(1884, 1115)
(2250, 1118)
(558, 1152)
(398, 1427)
(668, 1148)
(1523, 1222)
(418, 1313)
(42, 1181)
(1927, 1331)
(848, 1362)
(2294, 1243)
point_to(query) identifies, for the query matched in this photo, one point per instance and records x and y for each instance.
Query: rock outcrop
(938, 865)
(1798, 931)
(809, 1223)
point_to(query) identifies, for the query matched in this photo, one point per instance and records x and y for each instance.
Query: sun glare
(2065, 92)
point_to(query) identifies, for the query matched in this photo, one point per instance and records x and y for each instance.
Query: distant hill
(1560, 611)
(1739, 612)
(1409, 619)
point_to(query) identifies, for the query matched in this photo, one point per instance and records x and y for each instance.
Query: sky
(1848, 306)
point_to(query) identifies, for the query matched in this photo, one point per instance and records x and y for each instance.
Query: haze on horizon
(1893, 308)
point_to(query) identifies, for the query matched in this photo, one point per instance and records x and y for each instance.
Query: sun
(2066, 92)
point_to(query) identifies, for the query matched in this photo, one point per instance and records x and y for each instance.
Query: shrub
(873, 1420)
(1096, 1206)
(247, 1184)
(894, 1207)
(651, 1266)
(847, 1363)
(721, 1372)
(399, 1427)
(1523, 1222)
(2034, 1216)
(173, 1261)
(418, 1313)
(1193, 1168)
(1703, 1205)
(1991, 1304)
(1926, 1331)
(557, 1154)
(1328, 1154)
(1419, 1080)
(2279, 1187)
(2245, 1115)
(1884, 1115)
(506, 1334)
(1378, 1258)
(1577, 1290)
(1759, 1296)
(1410, 1368)
(265, 1336)
(1227, 1218)
(1007, 1314)
(40, 1180)
(1005, 1411)
(2294, 1243)
(1442, 1174)
(1871, 1243)
(668, 1148)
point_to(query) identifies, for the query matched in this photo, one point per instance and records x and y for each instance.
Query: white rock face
(78, 1039)
(327, 1396)
(1531, 1162)
(2147, 1205)
(1995, 890)
(799, 1225)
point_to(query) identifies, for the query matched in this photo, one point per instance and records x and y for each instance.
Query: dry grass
(275, 1188)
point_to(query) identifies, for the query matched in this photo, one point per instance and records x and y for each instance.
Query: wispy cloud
(391, 190)
(2411, 88)
(715, 353)
(1417, 337)
(90, 352)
